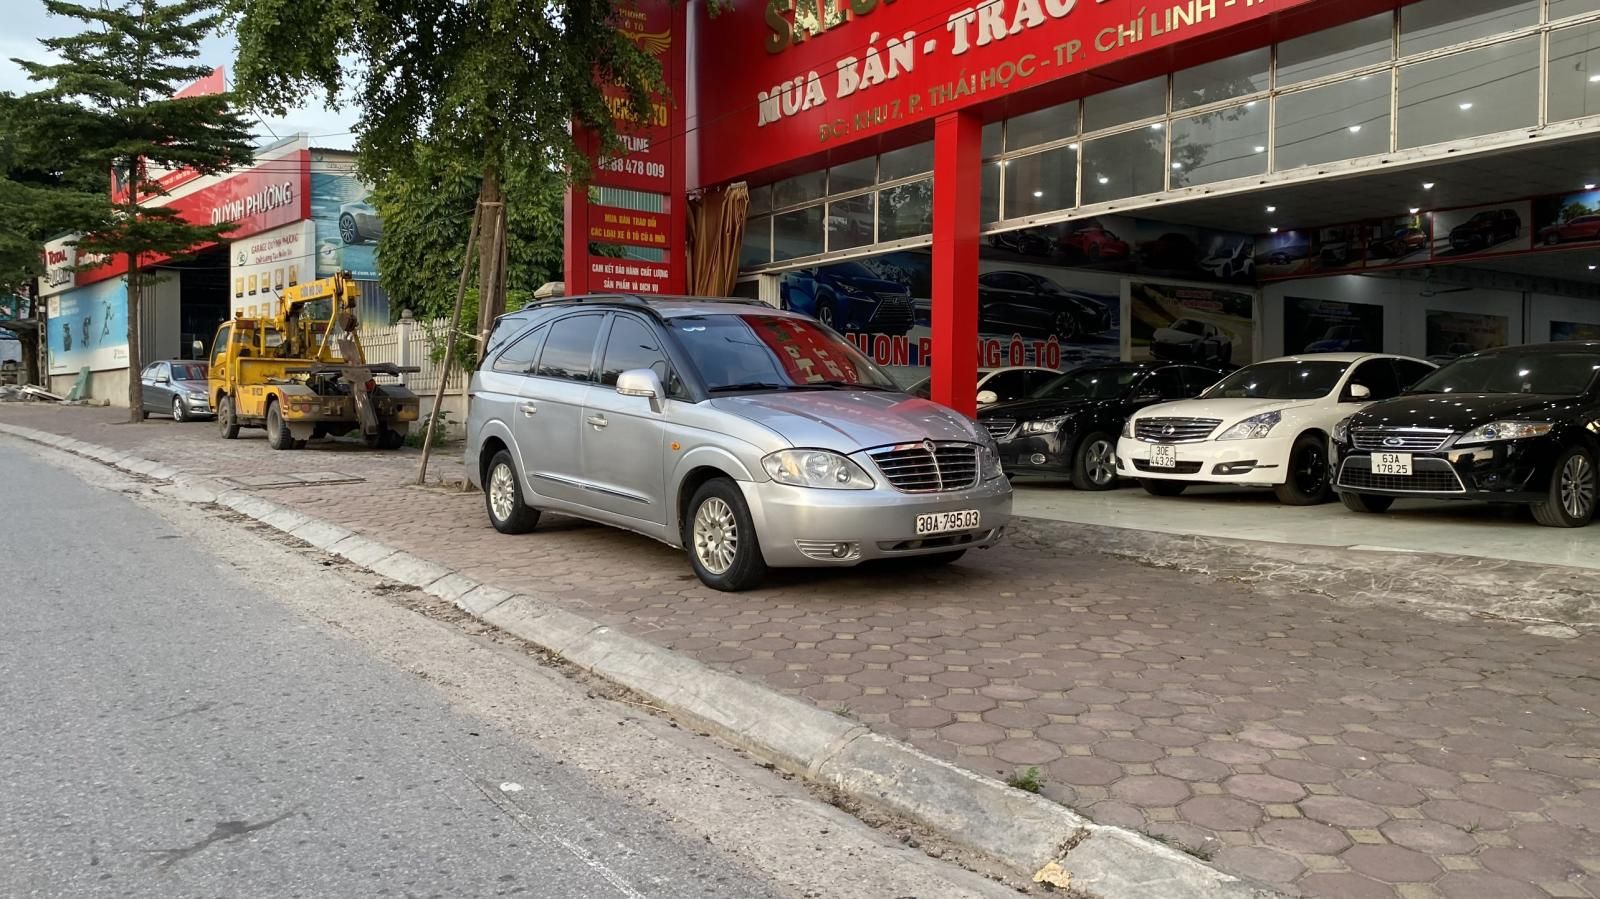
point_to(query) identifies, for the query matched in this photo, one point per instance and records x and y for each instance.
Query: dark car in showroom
(1508, 425)
(1484, 230)
(177, 388)
(1069, 426)
(848, 296)
(1033, 304)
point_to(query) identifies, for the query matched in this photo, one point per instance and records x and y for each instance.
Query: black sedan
(1510, 425)
(176, 388)
(1070, 425)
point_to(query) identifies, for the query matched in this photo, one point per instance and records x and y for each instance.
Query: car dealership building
(1048, 182)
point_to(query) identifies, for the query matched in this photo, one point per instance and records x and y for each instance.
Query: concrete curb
(1019, 829)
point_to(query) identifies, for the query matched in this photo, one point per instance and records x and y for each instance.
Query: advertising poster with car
(1284, 253)
(1407, 238)
(1452, 334)
(1330, 326)
(1117, 243)
(347, 224)
(1483, 229)
(1574, 331)
(1574, 218)
(89, 327)
(260, 267)
(1190, 324)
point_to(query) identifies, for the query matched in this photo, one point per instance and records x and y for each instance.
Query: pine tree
(106, 103)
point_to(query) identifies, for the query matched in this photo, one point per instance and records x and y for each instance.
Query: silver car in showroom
(753, 437)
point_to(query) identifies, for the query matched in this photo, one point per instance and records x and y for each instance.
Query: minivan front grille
(1175, 430)
(928, 467)
(1407, 440)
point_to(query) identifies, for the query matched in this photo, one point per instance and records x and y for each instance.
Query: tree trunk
(135, 339)
(450, 348)
(491, 254)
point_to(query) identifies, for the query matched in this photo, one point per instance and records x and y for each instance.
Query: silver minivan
(752, 437)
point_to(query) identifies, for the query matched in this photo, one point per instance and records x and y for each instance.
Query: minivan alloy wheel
(1578, 486)
(502, 491)
(716, 535)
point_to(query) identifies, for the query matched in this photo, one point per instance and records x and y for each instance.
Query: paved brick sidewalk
(1325, 749)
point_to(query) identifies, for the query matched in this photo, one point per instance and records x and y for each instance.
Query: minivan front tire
(502, 497)
(721, 538)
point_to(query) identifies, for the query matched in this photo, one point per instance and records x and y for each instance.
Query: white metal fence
(410, 342)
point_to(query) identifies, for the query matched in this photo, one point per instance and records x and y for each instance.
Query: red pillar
(957, 186)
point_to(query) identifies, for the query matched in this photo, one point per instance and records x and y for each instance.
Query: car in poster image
(1235, 263)
(1341, 339)
(1486, 229)
(848, 296)
(1091, 241)
(1265, 425)
(771, 441)
(997, 385)
(1026, 303)
(1171, 251)
(359, 222)
(1192, 340)
(1289, 254)
(1400, 243)
(176, 388)
(1023, 242)
(1069, 425)
(1508, 425)
(1583, 227)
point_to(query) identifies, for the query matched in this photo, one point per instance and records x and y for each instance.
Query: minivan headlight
(1497, 431)
(1253, 428)
(816, 468)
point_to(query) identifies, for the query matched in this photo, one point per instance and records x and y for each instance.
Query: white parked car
(1265, 425)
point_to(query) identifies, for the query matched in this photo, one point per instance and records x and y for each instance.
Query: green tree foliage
(491, 85)
(106, 103)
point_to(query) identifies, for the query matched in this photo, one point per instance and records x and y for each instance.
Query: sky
(27, 22)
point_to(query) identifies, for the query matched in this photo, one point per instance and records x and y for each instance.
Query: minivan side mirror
(1360, 392)
(642, 382)
(988, 397)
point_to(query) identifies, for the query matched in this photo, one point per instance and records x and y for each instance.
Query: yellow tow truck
(302, 373)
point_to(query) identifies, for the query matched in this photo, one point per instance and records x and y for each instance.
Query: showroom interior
(1423, 179)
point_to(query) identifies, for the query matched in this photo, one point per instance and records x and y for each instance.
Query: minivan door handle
(529, 409)
(598, 421)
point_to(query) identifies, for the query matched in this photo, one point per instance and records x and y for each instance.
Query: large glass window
(853, 175)
(993, 139)
(1343, 120)
(569, 350)
(1043, 182)
(1560, 9)
(1042, 127)
(760, 199)
(990, 199)
(1218, 146)
(1574, 89)
(1124, 165)
(1495, 88)
(850, 222)
(1353, 45)
(906, 161)
(799, 189)
(757, 246)
(1236, 76)
(905, 211)
(797, 233)
(1432, 24)
(1125, 104)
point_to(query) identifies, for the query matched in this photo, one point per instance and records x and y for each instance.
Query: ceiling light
(1593, 267)
(1415, 210)
(1274, 230)
(1354, 129)
(1272, 209)
(1466, 106)
(1261, 149)
(1588, 187)
(1072, 146)
(1156, 127)
(1594, 79)
(1427, 185)
(1038, 193)
(1104, 180)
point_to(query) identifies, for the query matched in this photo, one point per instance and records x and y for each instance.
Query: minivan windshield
(1555, 374)
(754, 352)
(1100, 383)
(1279, 381)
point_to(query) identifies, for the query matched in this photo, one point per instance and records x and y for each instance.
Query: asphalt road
(169, 730)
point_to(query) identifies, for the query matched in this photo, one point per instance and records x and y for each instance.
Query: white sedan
(1265, 425)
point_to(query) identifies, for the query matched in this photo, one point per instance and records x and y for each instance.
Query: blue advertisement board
(347, 223)
(89, 327)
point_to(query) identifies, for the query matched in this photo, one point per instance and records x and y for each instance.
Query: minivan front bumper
(802, 527)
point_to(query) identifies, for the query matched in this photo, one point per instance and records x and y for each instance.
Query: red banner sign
(614, 225)
(784, 79)
(608, 274)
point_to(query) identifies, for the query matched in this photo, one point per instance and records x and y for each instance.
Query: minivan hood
(1228, 409)
(849, 420)
(1459, 411)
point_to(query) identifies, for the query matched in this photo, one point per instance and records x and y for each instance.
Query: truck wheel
(386, 439)
(721, 538)
(502, 497)
(226, 419)
(278, 435)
